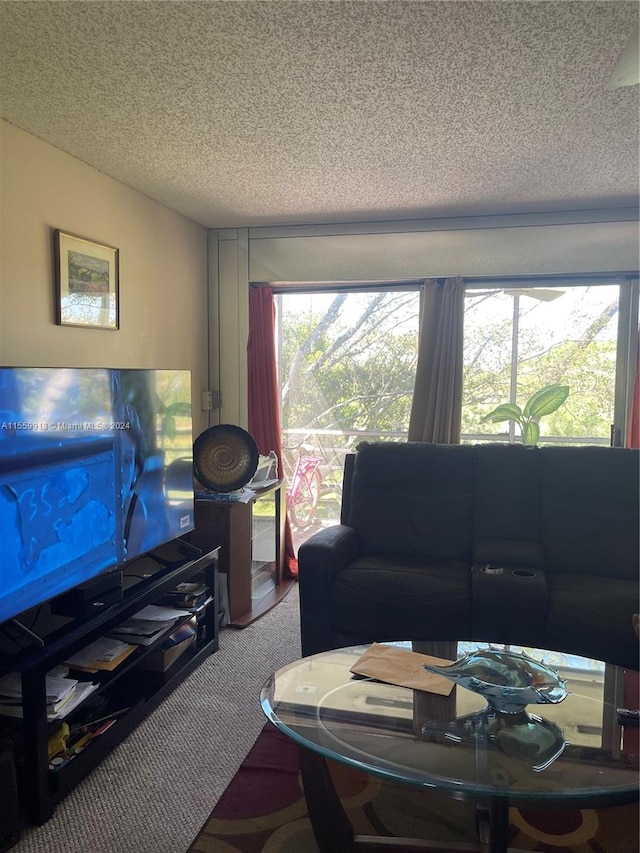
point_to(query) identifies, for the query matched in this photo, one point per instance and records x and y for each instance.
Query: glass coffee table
(445, 742)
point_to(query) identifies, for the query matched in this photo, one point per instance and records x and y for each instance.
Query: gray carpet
(156, 789)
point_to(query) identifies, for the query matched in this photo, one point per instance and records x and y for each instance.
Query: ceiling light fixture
(627, 71)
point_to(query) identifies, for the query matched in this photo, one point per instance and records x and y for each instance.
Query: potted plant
(543, 402)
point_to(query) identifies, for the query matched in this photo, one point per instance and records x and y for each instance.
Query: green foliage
(354, 372)
(170, 413)
(543, 402)
(573, 345)
(348, 363)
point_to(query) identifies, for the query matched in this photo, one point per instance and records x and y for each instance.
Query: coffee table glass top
(573, 750)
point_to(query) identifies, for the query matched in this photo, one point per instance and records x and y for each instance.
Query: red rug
(263, 811)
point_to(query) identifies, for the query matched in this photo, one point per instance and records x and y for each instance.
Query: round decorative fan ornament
(225, 458)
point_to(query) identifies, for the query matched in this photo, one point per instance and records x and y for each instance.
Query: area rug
(263, 811)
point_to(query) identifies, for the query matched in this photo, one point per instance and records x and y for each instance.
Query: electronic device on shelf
(95, 470)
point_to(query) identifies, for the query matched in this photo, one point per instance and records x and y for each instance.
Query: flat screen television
(95, 470)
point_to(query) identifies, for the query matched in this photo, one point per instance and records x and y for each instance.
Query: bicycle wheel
(302, 509)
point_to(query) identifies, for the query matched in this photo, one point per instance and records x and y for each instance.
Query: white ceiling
(253, 113)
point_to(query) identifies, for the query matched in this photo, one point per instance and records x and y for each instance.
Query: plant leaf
(505, 412)
(546, 400)
(530, 433)
(179, 410)
(169, 427)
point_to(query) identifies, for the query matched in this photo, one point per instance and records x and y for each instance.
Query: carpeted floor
(263, 811)
(154, 791)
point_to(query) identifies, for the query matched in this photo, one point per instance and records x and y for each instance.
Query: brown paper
(398, 666)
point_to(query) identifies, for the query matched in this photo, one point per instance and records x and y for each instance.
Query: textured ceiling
(249, 113)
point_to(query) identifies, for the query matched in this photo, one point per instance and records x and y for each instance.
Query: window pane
(488, 319)
(524, 340)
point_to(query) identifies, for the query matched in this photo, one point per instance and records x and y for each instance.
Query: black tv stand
(127, 694)
(187, 549)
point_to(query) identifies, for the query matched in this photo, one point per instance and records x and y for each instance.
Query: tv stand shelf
(127, 694)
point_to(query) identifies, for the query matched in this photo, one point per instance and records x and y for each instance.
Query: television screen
(156, 447)
(95, 469)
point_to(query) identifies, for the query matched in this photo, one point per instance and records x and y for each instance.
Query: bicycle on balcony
(303, 492)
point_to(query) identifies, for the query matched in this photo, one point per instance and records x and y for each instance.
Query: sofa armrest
(320, 558)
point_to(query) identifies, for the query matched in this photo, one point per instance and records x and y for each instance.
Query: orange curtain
(264, 392)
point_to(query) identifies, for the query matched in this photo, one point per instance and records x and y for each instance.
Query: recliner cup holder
(523, 573)
(492, 570)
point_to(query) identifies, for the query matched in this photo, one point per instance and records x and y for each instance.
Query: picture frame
(87, 282)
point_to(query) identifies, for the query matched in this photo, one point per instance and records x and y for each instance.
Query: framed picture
(86, 275)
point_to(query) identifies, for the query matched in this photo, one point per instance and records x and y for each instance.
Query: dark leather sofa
(425, 530)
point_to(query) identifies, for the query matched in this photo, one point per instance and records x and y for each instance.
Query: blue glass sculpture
(508, 680)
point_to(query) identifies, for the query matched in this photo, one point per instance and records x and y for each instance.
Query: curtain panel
(264, 392)
(436, 409)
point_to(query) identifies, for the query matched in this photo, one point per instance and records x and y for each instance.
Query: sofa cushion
(414, 499)
(590, 511)
(507, 492)
(591, 616)
(392, 598)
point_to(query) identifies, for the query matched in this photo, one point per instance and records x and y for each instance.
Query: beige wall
(163, 268)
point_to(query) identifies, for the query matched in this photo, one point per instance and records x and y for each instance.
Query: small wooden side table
(250, 533)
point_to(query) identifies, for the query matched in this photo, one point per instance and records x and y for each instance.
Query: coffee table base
(334, 834)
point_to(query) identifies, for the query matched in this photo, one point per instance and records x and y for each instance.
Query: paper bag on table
(398, 666)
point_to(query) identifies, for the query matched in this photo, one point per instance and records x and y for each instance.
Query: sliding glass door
(347, 359)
